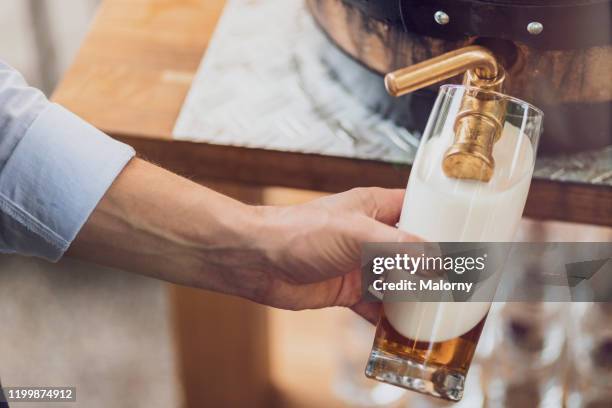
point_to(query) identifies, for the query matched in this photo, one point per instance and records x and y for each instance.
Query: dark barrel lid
(545, 24)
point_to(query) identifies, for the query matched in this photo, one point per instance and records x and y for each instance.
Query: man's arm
(60, 176)
(156, 223)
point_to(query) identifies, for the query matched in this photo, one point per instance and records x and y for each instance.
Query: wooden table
(132, 74)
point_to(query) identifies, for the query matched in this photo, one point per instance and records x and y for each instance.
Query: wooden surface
(307, 356)
(222, 349)
(135, 68)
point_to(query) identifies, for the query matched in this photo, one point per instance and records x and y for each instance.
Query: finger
(384, 205)
(357, 232)
(368, 310)
(373, 231)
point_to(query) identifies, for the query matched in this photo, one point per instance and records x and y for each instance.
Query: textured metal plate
(263, 83)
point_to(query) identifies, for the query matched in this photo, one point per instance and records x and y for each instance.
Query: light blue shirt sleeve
(54, 169)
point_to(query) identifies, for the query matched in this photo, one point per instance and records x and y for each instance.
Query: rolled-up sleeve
(54, 169)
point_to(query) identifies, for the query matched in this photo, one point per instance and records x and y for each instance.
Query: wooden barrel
(564, 70)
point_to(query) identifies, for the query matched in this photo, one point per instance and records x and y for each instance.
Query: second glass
(428, 346)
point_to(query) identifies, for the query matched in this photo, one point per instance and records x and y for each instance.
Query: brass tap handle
(480, 120)
(478, 127)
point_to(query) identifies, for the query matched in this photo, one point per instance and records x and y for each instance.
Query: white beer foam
(441, 209)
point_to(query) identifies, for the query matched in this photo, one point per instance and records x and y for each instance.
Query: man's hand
(306, 256)
(314, 250)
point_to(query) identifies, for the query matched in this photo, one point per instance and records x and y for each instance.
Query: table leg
(222, 341)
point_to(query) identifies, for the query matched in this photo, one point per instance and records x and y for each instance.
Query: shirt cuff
(54, 179)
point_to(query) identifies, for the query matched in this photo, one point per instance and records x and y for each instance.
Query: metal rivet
(535, 28)
(441, 17)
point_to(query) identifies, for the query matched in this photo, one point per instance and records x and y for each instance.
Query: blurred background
(41, 37)
(129, 341)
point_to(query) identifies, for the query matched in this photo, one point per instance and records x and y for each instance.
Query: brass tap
(481, 115)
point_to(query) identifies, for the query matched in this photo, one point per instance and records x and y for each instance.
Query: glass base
(431, 380)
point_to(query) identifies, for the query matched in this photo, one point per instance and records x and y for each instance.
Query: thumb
(384, 205)
(374, 231)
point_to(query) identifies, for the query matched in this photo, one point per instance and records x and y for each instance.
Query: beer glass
(428, 346)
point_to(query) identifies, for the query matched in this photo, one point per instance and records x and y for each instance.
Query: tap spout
(480, 121)
(473, 58)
